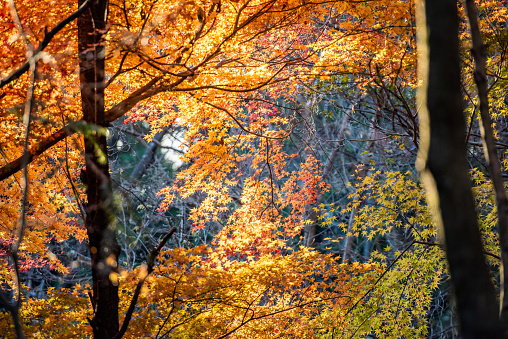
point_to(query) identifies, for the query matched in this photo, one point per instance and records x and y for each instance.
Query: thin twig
(150, 262)
(44, 43)
(27, 117)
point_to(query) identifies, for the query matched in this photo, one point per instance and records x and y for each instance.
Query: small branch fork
(44, 43)
(149, 269)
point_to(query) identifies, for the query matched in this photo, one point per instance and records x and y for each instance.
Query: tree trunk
(104, 249)
(444, 169)
(490, 151)
(149, 155)
(350, 237)
(313, 237)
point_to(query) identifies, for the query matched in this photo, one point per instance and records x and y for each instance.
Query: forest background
(245, 169)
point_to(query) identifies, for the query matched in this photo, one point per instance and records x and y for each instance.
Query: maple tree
(244, 81)
(148, 58)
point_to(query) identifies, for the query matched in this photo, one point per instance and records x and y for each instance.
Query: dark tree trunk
(104, 249)
(442, 162)
(489, 144)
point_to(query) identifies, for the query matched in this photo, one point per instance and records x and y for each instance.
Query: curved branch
(111, 115)
(145, 92)
(242, 127)
(150, 262)
(15, 165)
(44, 43)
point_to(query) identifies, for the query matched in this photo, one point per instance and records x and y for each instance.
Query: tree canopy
(246, 169)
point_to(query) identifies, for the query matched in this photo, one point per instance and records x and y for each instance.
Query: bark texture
(104, 249)
(490, 150)
(444, 169)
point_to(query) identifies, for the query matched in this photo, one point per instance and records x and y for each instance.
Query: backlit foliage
(229, 73)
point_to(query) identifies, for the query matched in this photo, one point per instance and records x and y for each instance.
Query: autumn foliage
(236, 79)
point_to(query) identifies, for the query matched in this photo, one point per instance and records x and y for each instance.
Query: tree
(444, 166)
(199, 56)
(104, 248)
(269, 147)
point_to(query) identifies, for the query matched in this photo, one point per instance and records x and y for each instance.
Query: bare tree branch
(111, 115)
(20, 230)
(44, 43)
(150, 262)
